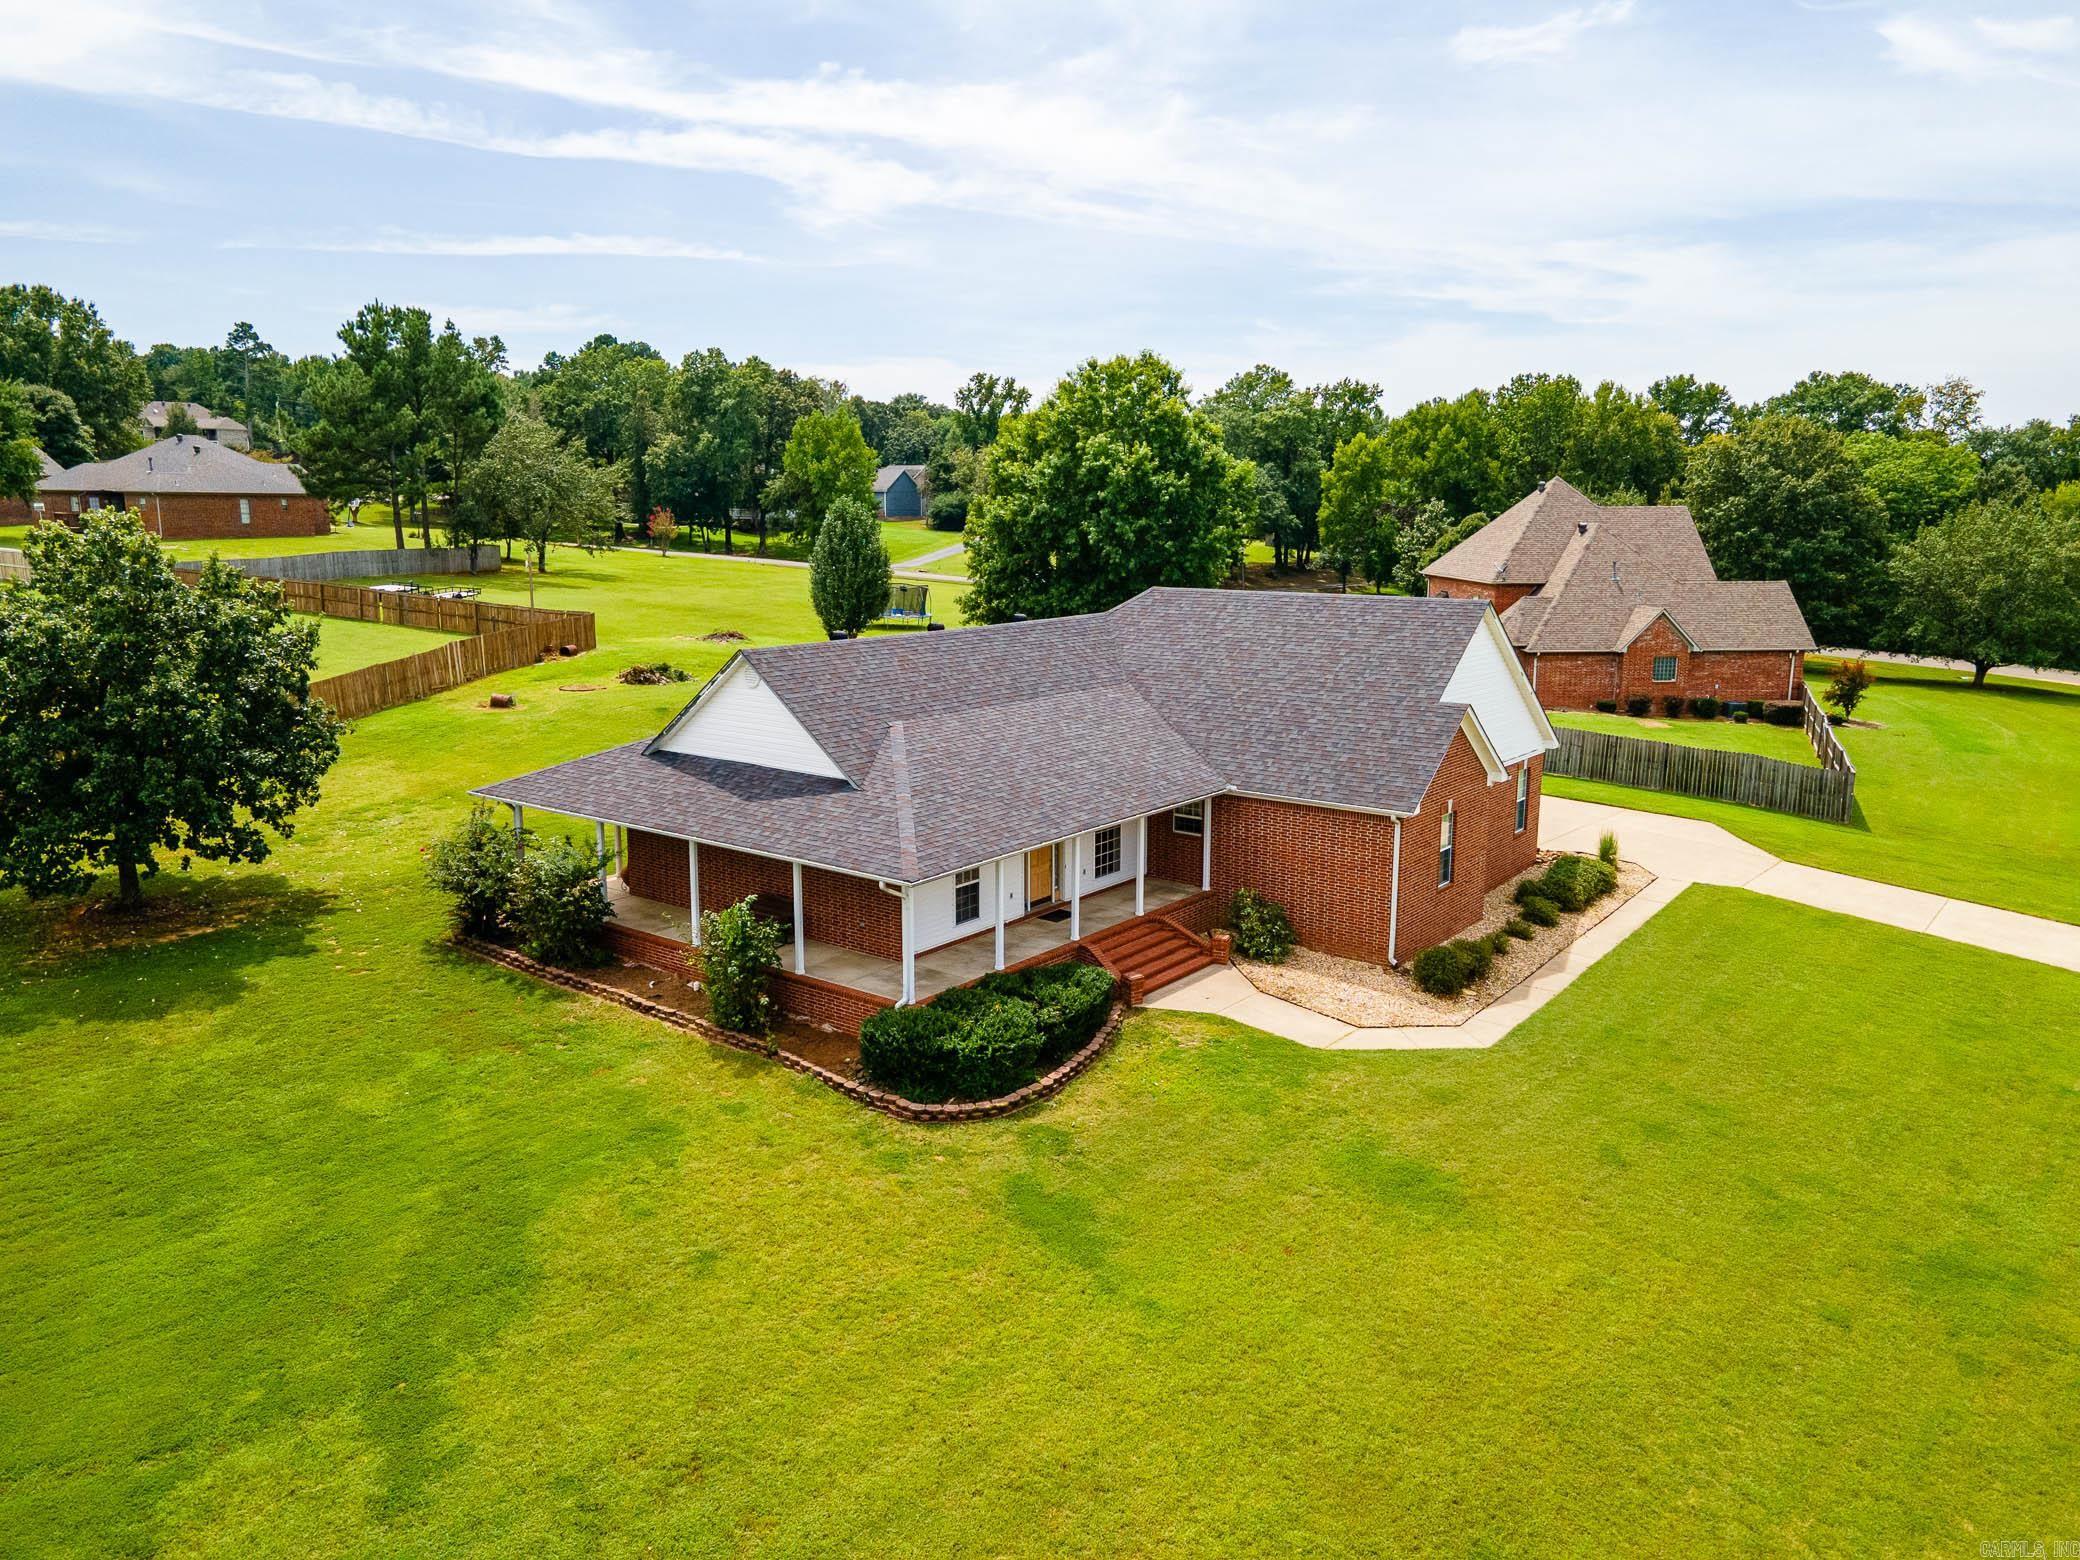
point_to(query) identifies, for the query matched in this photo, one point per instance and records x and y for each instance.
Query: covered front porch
(933, 970)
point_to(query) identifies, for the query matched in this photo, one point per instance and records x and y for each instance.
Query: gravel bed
(1374, 996)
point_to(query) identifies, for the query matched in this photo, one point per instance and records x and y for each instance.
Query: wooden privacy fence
(1828, 794)
(14, 564)
(500, 638)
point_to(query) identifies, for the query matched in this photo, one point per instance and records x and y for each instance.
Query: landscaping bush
(1576, 882)
(1756, 709)
(1496, 942)
(739, 949)
(1069, 1003)
(1539, 910)
(1449, 968)
(1785, 715)
(1520, 929)
(1672, 706)
(966, 1042)
(474, 867)
(1638, 705)
(1740, 717)
(1261, 929)
(560, 907)
(1607, 706)
(1706, 708)
(1846, 688)
(1607, 849)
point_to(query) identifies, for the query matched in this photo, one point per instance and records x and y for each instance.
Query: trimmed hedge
(1607, 706)
(1706, 708)
(1672, 706)
(1638, 705)
(1520, 929)
(1785, 715)
(1576, 882)
(1539, 910)
(1260, 926)
(982, 1041)
(1449, 968)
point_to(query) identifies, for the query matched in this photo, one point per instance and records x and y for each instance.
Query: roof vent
(148, 463)
(1018, 617)
(1541, 487)
(1581, 528)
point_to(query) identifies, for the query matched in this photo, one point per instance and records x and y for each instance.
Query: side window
(1190, 819)
(1523, 797)
(1664, 668)
(967, 896)
(1444, 846)
(1105, 861)
(245, 511)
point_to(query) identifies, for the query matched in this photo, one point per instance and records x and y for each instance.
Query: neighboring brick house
(1608, 602)
(14, 511)
(227, 431)
(185, 487)
(899, 492)
(924, 808)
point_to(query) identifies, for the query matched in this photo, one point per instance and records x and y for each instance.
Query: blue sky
(1430, 196)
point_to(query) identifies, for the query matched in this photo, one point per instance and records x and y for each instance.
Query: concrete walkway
(1679, 852)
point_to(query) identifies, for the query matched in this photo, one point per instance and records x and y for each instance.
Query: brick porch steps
(1157, 950)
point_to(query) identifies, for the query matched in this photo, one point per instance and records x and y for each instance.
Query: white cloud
(392, 241)
(1536, 40)
(65, 232)
(1986, 50)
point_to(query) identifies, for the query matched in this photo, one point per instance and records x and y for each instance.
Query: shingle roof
(960, 747)
(155, 413)
(48, 467)
(180, 464)
(886, 476)
(1521, 545)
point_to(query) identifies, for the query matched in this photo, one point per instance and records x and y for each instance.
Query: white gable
(738, 718)
(1489, 680)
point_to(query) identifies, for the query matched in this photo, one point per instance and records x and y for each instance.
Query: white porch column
(1076, 888)
(1206, 844)
(909, 950)
(693, 887)
(621, 853)
(801, 947)
(519, 824)
(999, 885)
(599, 850)
(1141, 864)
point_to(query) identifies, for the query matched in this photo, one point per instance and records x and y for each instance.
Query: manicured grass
(1964, 791)
(317, 1238)
(345, 645)
(905, 540)
(1785, 742)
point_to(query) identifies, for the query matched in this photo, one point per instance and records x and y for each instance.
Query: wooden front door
(1039, 876)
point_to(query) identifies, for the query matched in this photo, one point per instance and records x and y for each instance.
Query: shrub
(966, 1042)
(1069, 1003)
(1846, 688)
(559, 904)
(1672, 706)
(739, 948)
(1528, 889)
(1261, 928)
(948, 511)
(1519, 928)
(474, 867)
(1496, 942)
(1706, 708)
(1607, 706)
(1756, 709)
(1740, 717)
(1607, 849)
(1539, 910)
(1638, 705)
(1576, 882)
(1449, 968)
(1785, 715)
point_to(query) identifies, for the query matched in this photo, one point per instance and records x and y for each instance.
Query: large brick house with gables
(1612, 602)
(920, 810)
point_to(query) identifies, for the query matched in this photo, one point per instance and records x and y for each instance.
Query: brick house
(227, 431)
(1613, 602)
(14, 511)
(919, 810)
(186, 487)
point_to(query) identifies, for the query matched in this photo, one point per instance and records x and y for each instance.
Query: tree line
(1861, 492)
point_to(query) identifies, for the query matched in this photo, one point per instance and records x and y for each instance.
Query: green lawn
(1965, 791)
(318, 1238)
(1786, 742)
(345, 645)
(905, 540)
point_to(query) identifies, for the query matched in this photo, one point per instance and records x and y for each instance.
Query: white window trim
(1448, 846)
(1523, 797)
(967, 877)
(1195, 812)
(1675, 671)
(1119, 851)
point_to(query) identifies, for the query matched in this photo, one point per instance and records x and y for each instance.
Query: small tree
(179, 420)
(139, 714)
(849, 580)
(1846, 688)
(1358, 520)
(1994, 584)
(538, 490)
(560, 908)
(826, 461)
(661, 525)
(475, 867)
(739, 949)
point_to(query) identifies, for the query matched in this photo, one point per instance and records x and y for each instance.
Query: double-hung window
(1444, 846)
(1523, 797)
(967, 896)
(1188, 819)
(245, 511)
(1105, 858)
(1664, 668)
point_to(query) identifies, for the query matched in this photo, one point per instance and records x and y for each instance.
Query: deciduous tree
(1995, 584)
(537, 489)
(826, 462)
(1920, 479)
(49, 339)
(849, 578)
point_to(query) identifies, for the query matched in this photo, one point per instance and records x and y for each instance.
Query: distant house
(1613, 602)
(899, 492)
(227, 431)
(13, 511)
(925, 808)
(189, 487)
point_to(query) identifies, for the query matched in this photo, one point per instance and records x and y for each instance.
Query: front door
(1039, 876)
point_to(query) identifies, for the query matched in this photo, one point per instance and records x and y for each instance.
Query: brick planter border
(1045, 1087)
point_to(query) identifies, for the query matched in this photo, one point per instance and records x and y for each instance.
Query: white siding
(741, 720)
(933, 901)
(1490, 682)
